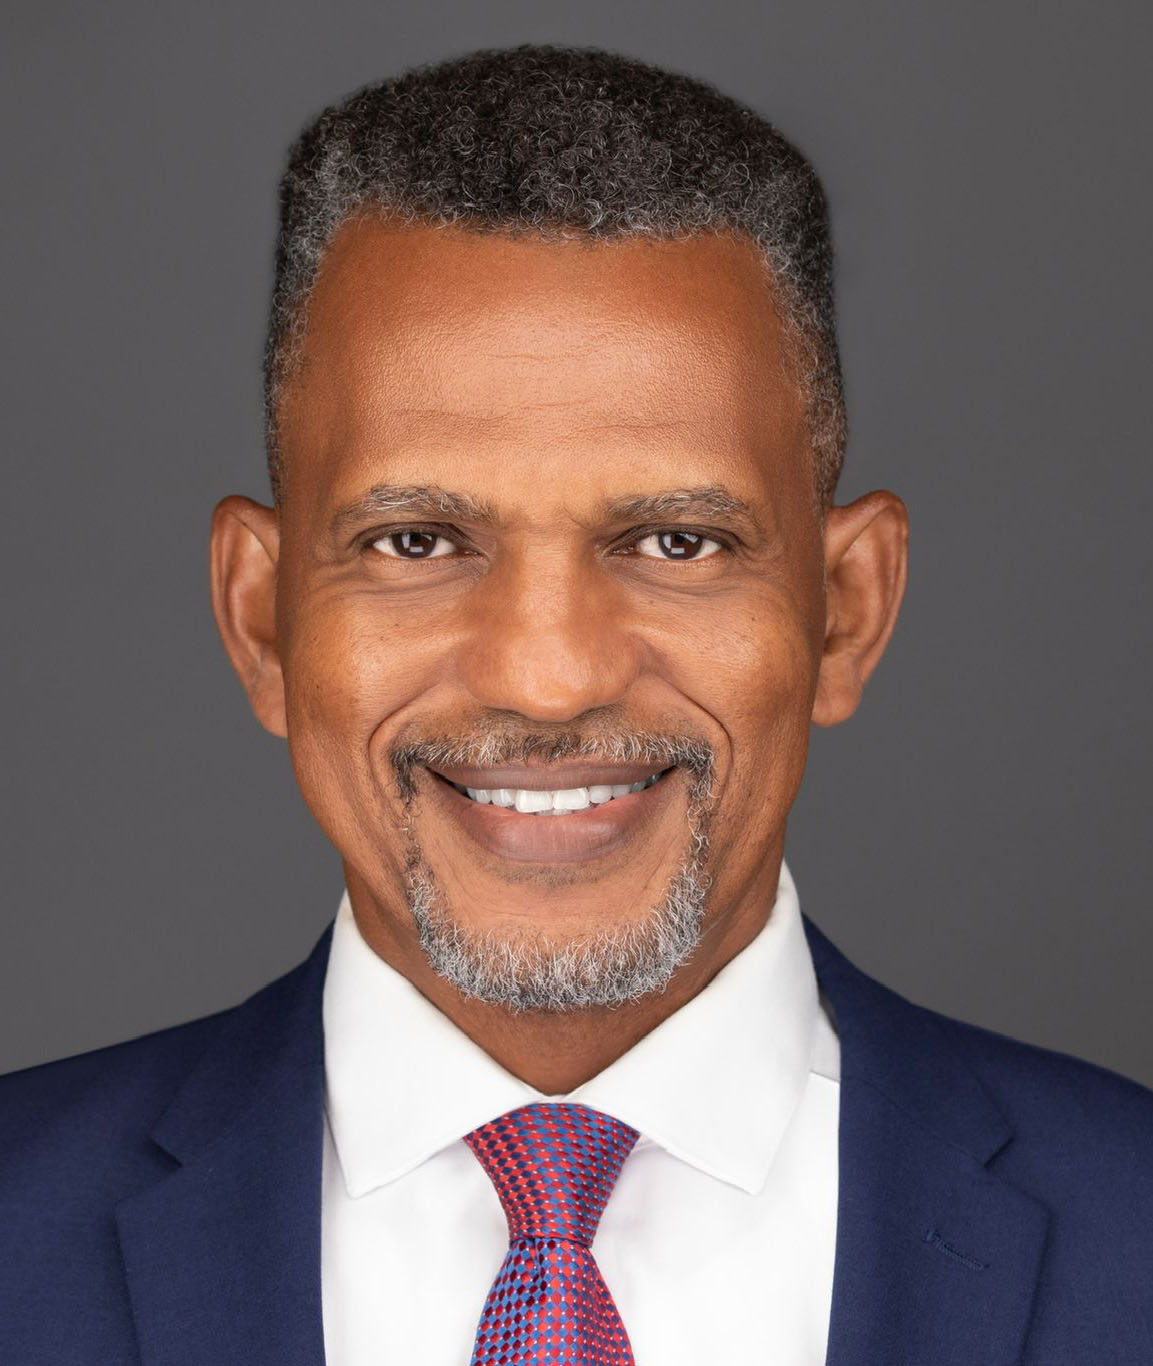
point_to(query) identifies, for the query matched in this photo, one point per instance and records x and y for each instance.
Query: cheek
(347, 670)
(347, 665)
(759, 687)
(774, 692)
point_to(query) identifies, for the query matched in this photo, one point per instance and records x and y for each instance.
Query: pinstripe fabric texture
(554, 1167)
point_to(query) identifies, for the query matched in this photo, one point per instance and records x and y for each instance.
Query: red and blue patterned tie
(554, 1167)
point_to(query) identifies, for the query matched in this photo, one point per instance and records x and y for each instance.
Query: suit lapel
(937, 1258)
(223, 1254)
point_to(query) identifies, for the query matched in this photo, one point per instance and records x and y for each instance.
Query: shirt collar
(715, 1084)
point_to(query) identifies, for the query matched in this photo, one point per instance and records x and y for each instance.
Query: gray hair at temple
(564, 142)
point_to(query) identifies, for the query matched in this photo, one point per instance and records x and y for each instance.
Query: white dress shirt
(717, 1242)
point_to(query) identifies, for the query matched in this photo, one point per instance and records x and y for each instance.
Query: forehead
(436, 355)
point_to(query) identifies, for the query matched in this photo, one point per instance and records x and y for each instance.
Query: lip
(576, 837)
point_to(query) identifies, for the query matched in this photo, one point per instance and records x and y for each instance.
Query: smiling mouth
(604, 806)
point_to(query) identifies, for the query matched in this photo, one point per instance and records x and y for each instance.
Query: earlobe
(245, 549)
(866, 565)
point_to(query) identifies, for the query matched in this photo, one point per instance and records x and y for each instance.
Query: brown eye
(413, 545)
(677, 545)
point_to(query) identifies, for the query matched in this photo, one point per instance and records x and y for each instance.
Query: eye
(413, 545)
(676, 544)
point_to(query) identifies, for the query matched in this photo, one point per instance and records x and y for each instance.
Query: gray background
(975, 836)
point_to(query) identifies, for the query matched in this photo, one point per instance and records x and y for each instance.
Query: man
(551, 590)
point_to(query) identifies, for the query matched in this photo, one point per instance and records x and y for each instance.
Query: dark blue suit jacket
(160, 1200)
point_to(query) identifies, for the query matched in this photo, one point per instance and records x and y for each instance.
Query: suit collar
(903, 1052)
(937, 1257)
(276, 1032)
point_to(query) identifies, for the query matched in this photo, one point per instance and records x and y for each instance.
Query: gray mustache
(662, 750)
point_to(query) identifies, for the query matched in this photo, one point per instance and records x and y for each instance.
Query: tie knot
(554, 1167)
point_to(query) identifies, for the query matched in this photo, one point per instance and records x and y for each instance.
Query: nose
(549, 643)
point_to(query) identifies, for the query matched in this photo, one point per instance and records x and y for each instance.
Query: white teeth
(532, 801)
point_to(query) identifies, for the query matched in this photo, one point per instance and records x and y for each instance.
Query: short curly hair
(563, 142)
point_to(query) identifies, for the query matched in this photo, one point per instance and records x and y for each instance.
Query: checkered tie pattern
(554, 1166)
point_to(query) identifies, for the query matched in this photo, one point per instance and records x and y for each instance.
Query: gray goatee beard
(529, 970)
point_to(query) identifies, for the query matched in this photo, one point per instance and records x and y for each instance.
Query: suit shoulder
(91, 1098)
(100, 1108)
(1078, 1109)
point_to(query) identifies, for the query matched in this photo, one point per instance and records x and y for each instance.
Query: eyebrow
(709, 500)
(429, 500)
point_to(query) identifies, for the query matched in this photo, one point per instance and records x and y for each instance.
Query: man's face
(549, 527)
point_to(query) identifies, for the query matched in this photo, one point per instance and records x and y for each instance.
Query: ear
(866, 563)
(244, 554)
